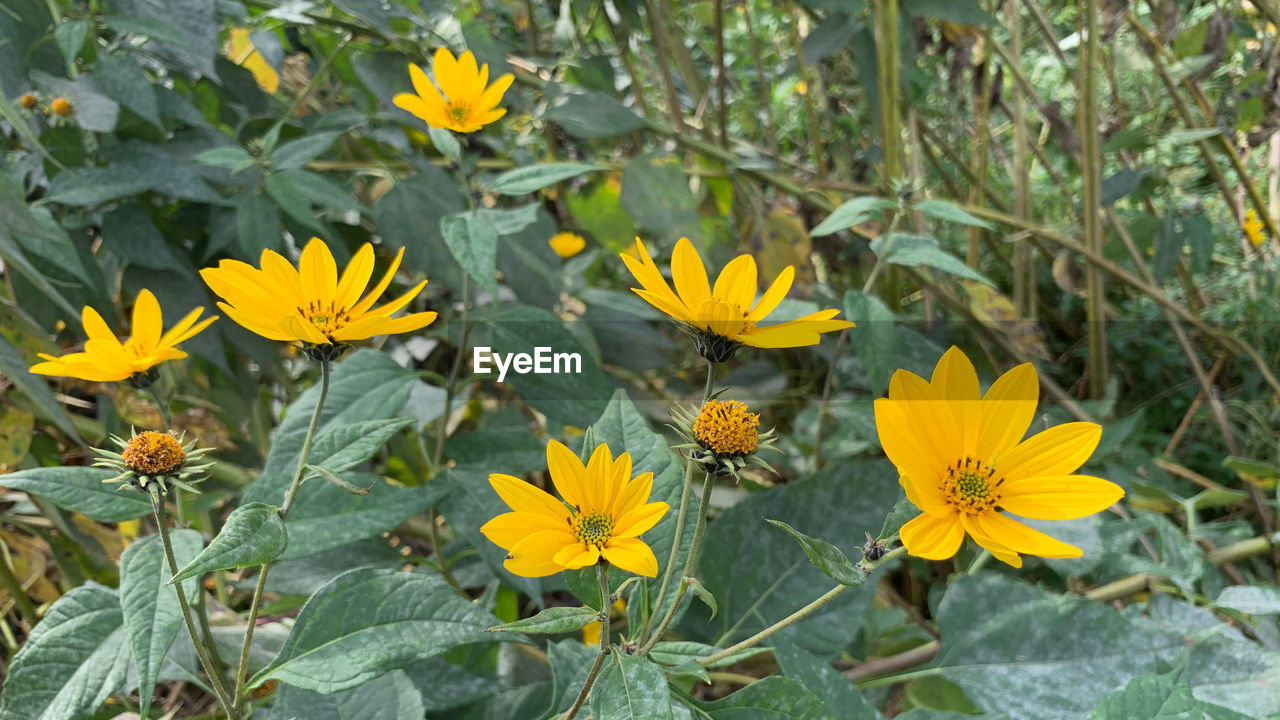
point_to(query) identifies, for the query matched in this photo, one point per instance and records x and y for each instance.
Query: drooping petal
(1018, 537)
(689, 274)
(568, 473)
(632, 555)
(508, 529)
(933, 538)
(1059, 497)
(640, 520)
(1007, 410)
(1060, 450)
(524, 497)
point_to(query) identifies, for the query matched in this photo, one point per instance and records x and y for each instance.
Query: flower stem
(691, 564)
(680, 515)
(800, 614)
(256, 606)
(215, 678)
(602, 577)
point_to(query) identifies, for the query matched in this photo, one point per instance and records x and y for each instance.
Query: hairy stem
(602, 577)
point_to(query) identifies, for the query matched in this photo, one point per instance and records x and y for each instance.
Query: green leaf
(15, 367)
(943, 210)
(231, 157)
(917, 251)
(253, 535)
(120, 78)
(656, 193)
(316, 188)
(591, 115)
(686, 651)
(843, 701)
(189, 38)
(630, 687)
(512, 222)
(129, 233)
(825, 556)
(297, 153)
(572, 398)
(80, 490)
(552, 620)
(570, 660)
(535, 177)
(75, 657)
(258, 225)
(151, 611)
(1167, 696)
(902, 511)
(473, 241)
(850, 213)
(408, 216)
(145, 27)
(960, 12)
(1252, 600)
(346, 446)
(872, 337)
(446, 142)
(468, 502)
(773, 698)
(367, 622)
(390, 697)
(337, 480)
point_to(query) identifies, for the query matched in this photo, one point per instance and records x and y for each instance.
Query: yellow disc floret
(28, 101)
(726, 428)
(593, 528)
(153, 453)
(61, 107)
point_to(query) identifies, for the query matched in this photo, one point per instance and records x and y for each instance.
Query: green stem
(14, 586)
(256, 606)
(800, 614)
(215, 678)
(602, 578)
(691, 564)
(681, 514)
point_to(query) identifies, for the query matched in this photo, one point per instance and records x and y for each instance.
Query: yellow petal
(568, 473)
(631, 555)
(393, 306)
(675, 309)
(1061, 497)
(355, 278)
(1060, 450)
(901, 442)
(302, 329)
(493, 94)
(980, 536)
(774, 295)
(423, 85)
(593, 489)
(930, 422)
(319, 273)
(737, 282)
(619, 475)
(1007, 410)
(533, 556)
(445, 68)
(523, 497)
(933, 538)
(638, 521)
(147, 326)
(94, 326)
(508, 529)
(954, 377)
(689, 274)
(650, 278)
(381, 287)
(577, 557)
(633, 494)
(1020, 538)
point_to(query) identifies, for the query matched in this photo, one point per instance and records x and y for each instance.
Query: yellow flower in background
(106, 359)
(1253, 228)
(591, 633)
(312, 304)
(567, 244)
(28, 101)
(240, 50)
(727, 315)
(603, 514)
(961, 460)
(802, 88)
(61, 107)
(468, 103)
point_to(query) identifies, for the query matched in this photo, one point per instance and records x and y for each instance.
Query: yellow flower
(723, 317)
(61, 107)
(241, 51)
(106, 359)
(28, 101)
(802, 88)
(961, 460)
(726, 428)
(1253, 228)
(591, 633)
(603, 514)
(312, 304)
(567, 244)
(467, 104)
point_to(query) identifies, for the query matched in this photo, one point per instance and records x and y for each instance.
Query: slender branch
(290, 495)
(215, 678)
(602, 578)
(681, 514)
(690, 565)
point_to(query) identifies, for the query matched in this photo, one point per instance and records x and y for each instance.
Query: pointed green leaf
(630, 687)
(773, 698)
(151, 611)
(253, 534)
(826, 557)
(853, 212)
(535, 177)
(345, 446)
(473, 240)
(552, 620)
(943, 210)
(917, 251)
(367, 622)
(81, 490)
(680, 652)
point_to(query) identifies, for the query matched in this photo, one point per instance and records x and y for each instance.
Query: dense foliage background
(199, 131)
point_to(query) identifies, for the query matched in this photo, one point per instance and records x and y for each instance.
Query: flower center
(326, 318)
(971, 488)
(726, 428)
(458, 113)
(153, 453)
(593, 529)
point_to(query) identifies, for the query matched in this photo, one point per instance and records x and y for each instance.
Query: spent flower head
(723, 436)
(154, 461)
(468, 102)
(728, 315)
(106, 359)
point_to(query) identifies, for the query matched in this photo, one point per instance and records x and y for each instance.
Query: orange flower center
(153, 453)
(593, 529)
(726, 428)
(971, 488)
